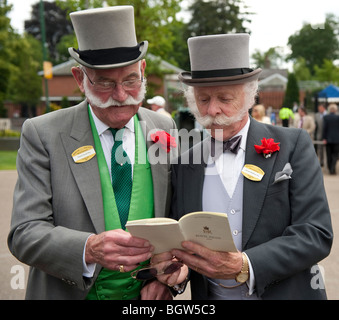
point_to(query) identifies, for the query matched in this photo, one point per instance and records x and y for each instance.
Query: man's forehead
(219, 89)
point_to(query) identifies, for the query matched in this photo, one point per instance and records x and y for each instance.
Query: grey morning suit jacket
(58, 203)
(286, 226)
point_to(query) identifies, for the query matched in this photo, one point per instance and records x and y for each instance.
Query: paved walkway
(10, 267)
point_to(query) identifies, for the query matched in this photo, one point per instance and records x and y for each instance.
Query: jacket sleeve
(35, 238)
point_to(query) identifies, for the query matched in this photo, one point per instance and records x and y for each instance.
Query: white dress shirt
(229, 165)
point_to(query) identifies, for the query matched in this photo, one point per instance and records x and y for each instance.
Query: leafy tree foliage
(272, 58)
(292, 91)
(316, 43)
(57, 26)
(20, 60)
(216, 16)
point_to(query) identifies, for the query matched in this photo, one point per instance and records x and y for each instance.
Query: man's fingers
(125, 239)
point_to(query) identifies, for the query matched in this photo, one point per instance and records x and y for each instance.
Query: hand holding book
(210, 229)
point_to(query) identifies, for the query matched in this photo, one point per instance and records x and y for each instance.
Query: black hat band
(220, 73)
(109, 56)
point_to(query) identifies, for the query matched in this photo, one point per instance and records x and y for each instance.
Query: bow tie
(232, 145)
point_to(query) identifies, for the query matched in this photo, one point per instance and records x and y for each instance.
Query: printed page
(209, 229)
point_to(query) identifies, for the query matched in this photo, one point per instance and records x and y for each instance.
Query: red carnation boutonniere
(164, 139)
(268, 146)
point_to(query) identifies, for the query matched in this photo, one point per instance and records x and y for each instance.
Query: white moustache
(110, 102)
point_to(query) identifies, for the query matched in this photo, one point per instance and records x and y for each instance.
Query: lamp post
(44, 52)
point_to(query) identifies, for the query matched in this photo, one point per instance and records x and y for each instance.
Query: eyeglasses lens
(146, 274)
(175, 266)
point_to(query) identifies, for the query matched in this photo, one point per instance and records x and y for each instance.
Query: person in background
(331, 137)
(304, 121)
(285, 114)
(158, 104)
(318, 134)
(259, 114)
(85, 170)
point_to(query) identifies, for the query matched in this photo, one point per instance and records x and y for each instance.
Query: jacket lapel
(254, 192)
(85, 174)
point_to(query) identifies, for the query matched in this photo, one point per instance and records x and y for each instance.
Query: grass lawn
(7, 160)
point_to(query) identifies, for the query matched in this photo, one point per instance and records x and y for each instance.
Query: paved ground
(10, 268)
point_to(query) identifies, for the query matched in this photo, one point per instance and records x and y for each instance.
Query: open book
(210, 229)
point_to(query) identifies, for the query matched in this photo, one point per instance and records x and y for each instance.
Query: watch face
(242, 277)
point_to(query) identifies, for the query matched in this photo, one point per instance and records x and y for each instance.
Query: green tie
(121, 176)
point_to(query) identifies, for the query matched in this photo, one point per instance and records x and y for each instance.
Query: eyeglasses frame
(111, 87)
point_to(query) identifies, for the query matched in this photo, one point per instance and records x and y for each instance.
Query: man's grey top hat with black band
(219, 60)
(106, 38)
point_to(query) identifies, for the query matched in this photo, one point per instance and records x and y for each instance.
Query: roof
(275, 79)
(269, 72)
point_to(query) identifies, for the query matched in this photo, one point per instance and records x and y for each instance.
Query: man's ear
(79, 77)
(143, 67)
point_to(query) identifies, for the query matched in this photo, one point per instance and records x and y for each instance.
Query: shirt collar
(243, 132)
(102, 127)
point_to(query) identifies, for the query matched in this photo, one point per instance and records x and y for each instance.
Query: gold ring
(121, 268)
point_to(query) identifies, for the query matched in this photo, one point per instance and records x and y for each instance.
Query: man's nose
(119, 93)
(213, 108)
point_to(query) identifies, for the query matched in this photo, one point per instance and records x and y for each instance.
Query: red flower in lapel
(164, 139)
(267, 147)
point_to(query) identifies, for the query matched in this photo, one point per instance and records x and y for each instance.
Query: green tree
(292, 91)
(316, 43)
(328, 72)
(25, 86)
(5, 52)
(271, 59)
(217, 16)
(57, 26)
(20, 60)
(301, 71)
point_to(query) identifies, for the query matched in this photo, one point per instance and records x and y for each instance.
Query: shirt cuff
(88, 269)
(251, 281)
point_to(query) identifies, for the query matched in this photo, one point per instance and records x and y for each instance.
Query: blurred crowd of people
(322, 126)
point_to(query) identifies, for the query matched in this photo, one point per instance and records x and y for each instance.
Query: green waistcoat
(113, 285)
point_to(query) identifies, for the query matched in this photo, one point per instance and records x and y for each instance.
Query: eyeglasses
(150, 272)
(108, 86)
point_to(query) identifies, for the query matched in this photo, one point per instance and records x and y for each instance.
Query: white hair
(250, 90)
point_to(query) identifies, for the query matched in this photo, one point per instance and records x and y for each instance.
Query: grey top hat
(219, 60)
(106, 38)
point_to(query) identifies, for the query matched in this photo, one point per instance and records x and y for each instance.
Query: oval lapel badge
(252, 172)
(83, 154)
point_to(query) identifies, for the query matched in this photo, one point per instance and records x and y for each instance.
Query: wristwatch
(180, 288)
(244, 273)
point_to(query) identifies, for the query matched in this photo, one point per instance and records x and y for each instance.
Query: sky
(274, 20)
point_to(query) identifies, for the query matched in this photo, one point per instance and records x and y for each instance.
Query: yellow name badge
(252, 172)
(83, 154)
